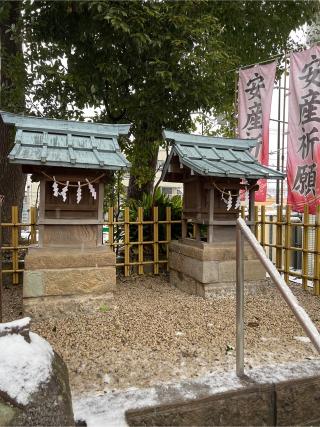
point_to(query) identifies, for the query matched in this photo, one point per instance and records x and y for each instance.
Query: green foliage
(162, 201)
(12, 76)
(104, 308)
(229, 349)
(151, 63)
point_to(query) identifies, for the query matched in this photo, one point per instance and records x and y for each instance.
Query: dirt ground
(150, 333)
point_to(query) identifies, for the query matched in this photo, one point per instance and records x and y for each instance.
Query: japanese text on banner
(255, 96)
(303, 130)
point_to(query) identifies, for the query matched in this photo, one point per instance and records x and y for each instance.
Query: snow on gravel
(108, 409)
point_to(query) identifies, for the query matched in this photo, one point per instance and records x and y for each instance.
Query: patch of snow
(303, 339)
(24, 366)
(107, 379)
(109, 409)
(266, 339)
(20, 323)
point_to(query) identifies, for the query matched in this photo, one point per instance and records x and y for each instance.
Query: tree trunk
(135, 189)
(12, 180)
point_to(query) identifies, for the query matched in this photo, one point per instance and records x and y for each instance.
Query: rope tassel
(79, 192)
(64, 191)
(55, 187)
(92, 189)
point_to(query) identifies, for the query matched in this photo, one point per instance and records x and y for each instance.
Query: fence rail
(142, 242)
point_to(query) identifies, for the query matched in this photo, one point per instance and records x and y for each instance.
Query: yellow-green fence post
(15, 244)
(155, 240)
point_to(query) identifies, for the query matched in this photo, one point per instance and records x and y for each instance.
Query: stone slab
(219, 289)
(61, 257)
(56, 306)
(215, 271)
(223, 251)
(298, 402)
(69, 281)
(253, 270)
(77, 235)
(250, 407)
(186, 283)
(263, 400)
(202, 271)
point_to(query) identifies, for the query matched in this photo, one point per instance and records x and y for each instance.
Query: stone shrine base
(58, 273)
(204, 269)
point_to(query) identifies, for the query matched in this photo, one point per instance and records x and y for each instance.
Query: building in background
(30, 198)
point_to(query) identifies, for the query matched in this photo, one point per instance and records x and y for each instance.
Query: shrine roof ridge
(67, 126)
(61, 143)
(214, 156)
(216, 141)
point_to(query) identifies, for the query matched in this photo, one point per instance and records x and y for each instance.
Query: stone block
(59, 258)
(33, 285)
(69, 281)
(202, 271)
(254, 270)
(253, 406)
(56, 306)
(223, 251)
(298, 402)
(205, 269)
(227, 271)
(79, 281)
(186, 283)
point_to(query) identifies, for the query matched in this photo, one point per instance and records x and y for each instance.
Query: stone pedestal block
(210, 269)
(67, 272)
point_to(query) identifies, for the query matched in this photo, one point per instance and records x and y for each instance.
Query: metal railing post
(239, 302)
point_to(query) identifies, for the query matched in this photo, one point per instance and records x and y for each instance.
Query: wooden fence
(135, 260)
(142, 243)
(11, 253)
(149, 233)
(292, 243)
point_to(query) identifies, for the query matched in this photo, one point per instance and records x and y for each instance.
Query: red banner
(255, 89)
(303, 160)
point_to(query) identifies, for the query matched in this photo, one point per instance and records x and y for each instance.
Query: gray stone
(8, 414)
(253, 406)
(51, 405)
(33, 285)
(298, 402)
(206, 269)
(61, 257)
(202, 271)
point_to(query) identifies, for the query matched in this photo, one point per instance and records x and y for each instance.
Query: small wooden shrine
(72, 161)
(218, 175)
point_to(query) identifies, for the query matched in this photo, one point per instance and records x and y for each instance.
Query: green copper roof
(63, 143)
(220, 157)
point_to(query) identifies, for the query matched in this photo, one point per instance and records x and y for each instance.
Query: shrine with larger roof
(72, 162)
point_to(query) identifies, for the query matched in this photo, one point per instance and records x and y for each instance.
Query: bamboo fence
(149, 252)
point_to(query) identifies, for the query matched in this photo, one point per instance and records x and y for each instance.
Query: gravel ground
(150, 333)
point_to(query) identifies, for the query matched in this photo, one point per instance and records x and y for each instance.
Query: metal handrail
(242, 230)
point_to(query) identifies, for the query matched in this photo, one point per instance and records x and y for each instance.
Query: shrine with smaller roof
(218, 175)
